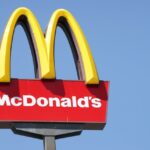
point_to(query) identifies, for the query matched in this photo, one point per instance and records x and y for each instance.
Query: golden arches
(44, 46)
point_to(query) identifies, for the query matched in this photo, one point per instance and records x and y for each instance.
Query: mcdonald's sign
(47, 99)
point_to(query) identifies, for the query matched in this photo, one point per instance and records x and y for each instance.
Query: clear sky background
(118, 32)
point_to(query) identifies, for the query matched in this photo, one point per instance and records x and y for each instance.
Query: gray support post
(46, 132)
(49, 143)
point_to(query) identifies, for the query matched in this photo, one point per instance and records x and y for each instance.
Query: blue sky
(118, 33)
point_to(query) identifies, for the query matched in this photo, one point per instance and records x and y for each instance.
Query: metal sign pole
(49, 143)
(47, 132)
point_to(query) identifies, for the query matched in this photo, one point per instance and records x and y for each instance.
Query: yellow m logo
(43, 46)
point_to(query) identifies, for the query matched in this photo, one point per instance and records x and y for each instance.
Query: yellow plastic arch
(45, 45)
(5, 49)
(91, 76)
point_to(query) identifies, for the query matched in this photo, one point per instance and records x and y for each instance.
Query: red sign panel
(53, 101)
